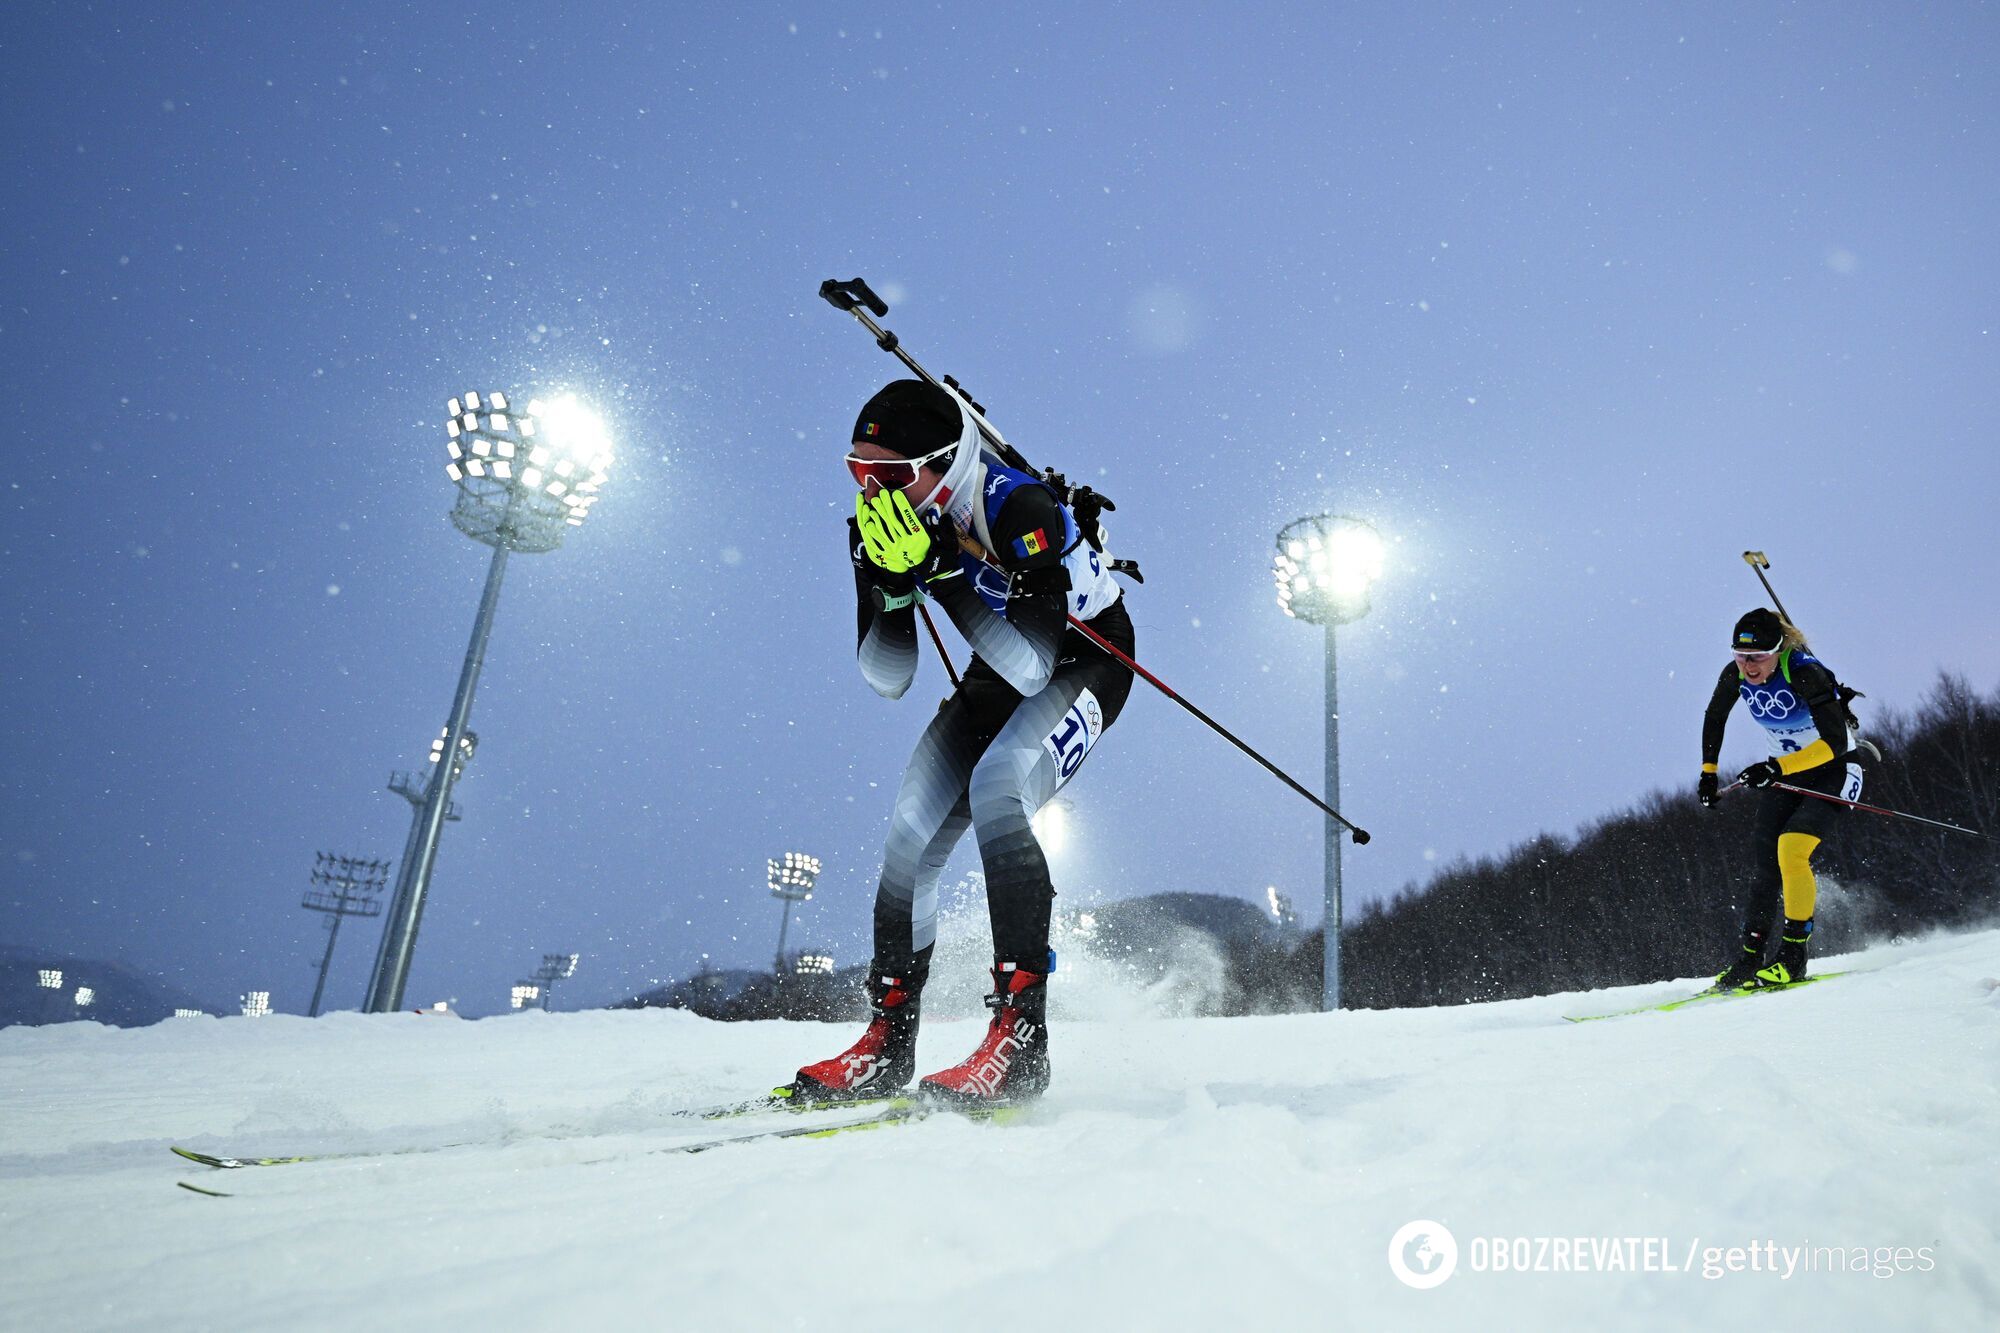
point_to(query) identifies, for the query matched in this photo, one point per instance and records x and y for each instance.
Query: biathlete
(939, 517)
(1804, 715)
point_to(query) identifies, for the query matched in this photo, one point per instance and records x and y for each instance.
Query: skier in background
(1803, 711)
(1034, 700)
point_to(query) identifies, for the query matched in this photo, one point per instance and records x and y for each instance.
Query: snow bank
(1181, 1173)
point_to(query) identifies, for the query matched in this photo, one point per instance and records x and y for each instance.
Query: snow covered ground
(1240, 1173)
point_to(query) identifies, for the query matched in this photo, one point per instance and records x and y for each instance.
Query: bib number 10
(1073, 736)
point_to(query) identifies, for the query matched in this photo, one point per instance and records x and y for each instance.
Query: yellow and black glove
(908, 549)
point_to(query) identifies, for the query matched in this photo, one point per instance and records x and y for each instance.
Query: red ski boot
(1012, 1062)
(883, 1061)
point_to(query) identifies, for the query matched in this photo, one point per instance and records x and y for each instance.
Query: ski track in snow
(1180, 1174)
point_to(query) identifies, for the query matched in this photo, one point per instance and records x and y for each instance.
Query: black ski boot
(882, 1063)
(1743, 972)
(1011, 1063)
(1789, 967)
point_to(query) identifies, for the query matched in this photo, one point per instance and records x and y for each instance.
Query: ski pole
(1757, 562)
(1878, 810)
(938, 639)
(1359, 834)
(1863, 753)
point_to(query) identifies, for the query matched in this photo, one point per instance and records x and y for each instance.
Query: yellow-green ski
(1702, 997)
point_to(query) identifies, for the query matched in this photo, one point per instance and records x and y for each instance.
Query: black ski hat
(1759, 631)
(910, 418)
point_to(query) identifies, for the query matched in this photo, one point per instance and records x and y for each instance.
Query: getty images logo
(1423, 1254)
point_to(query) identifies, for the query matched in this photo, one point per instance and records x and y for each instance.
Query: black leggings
(1779, 813)
(988, 761)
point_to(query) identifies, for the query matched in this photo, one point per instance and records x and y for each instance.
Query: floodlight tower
(342, 886)
(524, 479)
(1325, 565)
(415, 788)
(555, 967)
(791, 879)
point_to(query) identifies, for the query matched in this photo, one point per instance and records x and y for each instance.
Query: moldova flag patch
(1034, 543)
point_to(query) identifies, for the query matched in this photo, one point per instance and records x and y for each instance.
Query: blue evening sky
(1574, 302)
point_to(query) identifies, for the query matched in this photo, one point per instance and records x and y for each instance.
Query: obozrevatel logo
(1423, 1254)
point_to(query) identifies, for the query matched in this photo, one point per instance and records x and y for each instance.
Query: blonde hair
(1795, 638)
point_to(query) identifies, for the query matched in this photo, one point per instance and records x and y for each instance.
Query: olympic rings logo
(1769, 703)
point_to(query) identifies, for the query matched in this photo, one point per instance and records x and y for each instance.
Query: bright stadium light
(85, 997)
(524, 994)
(257, 1004)
(50, 978)
(190, 1013)
(1325, 566)
(524, 478)
(815, 965)
(792, 880)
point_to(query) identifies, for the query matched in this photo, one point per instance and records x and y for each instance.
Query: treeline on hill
(1650, 893)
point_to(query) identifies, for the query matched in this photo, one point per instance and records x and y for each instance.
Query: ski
(895, 1112)
(196, 1189)
(779, 1101)
(235, 1163)
(1701, 997)
(784, 1099)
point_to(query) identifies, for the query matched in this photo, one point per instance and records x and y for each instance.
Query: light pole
(523, 480)
(792, 880)
(342, 886)
(555, 967)
(1324, 566)
(415, 788)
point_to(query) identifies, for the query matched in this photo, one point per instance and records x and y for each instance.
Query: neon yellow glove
(898, 541)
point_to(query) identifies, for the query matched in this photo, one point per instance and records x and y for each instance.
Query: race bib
(1073, 736)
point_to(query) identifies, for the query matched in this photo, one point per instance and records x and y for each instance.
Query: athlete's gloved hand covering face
(1704, 791)
(898, 541)
(1761, 774)
(888, 592)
